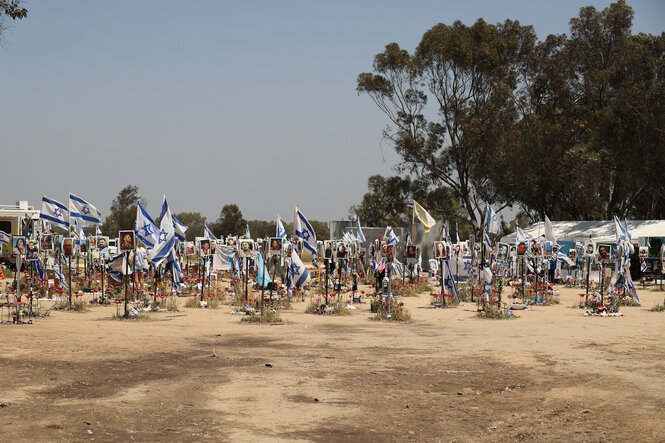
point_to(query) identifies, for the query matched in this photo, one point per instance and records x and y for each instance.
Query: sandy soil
(551, 374)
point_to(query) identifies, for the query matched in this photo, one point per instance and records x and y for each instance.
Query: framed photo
(204, 247)
(502, 252)
(275, 246)
(46, 242)
(390, 253)
(19, 247)
(513, 251)
(83, 246)
(189, 248)
(440, 250)
(411, 254)
(32, 250)
(68, 246)
(231, 241)
(572, 254)
(644, 251)
(535, 249)
(127, 240)
(102, 243)
(341, 251)
(246, 248)
(604, 253)
(589, 249)
(362, 256)
(521, 248)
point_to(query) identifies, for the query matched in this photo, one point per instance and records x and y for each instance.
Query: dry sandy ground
(550, 375)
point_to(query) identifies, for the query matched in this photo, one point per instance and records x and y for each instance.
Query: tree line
(230, 221)
(571, 126)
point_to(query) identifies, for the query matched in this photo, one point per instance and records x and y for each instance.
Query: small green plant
(340, 309)
(497, 315)
(268, 316)
(312, 307)
(551, 299)
(396, 310)
(658, 308)
(141, 316)
(192, 302)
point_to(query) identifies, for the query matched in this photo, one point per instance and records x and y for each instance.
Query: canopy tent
(599, 230)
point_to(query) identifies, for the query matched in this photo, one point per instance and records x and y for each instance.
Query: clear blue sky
(215, 102)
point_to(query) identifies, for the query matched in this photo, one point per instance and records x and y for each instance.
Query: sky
(217, 102)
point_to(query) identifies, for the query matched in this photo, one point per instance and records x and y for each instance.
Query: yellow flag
(423, 216)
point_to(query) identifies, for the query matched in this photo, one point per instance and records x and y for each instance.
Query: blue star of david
(147, 230)
(305, 235)
(294, 268)
(162, 236)
(85, 210)
(57, 212)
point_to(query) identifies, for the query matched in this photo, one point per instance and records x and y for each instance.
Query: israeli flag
(281, 232)
(207, 233)
(54, 212)
(390, 235)
(449, 281)
(643, 266)
(306, 232)
(146, 228)
(135, 311)
(247, 234)
(486, 239)
(299, 274)
(116, 267)
(176, 272)
(57, 270)
(4, 238)
(445, 234)
(492, 221)
(166, 237)
(78, 232)
(359, 231)
(457, 234)
(98, 231)
(180, 229)
(564, 257)
(83, 211)
(347, 237)
(262, 274)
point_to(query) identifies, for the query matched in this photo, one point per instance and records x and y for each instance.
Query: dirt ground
(549, 375)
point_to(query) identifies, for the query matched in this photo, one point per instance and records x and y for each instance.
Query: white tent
(600, 231)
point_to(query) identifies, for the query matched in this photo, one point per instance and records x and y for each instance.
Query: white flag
(86, 213)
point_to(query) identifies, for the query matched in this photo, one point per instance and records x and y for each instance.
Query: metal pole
(125, 279)
(70, 280)
(101, 260)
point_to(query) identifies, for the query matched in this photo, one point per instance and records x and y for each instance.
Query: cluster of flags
(81, 212)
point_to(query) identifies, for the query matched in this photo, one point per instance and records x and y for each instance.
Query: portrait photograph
(644, 251)
(189, 248)
(246, 248)
(589, 249)
(204, 247)
(440, 251)
(411, 251)
(390, 253)
(603, 255)
(32, 251)
(275, 245)
(19, 246)
(68, 247)
(46, 242)
(502, 252)
(521, 248)
(102, 243)
(127, 241)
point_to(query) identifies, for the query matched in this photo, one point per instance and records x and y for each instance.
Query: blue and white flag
(359, 231)
(281, 232)
(179, 228)
(643, 266)
(176, 272)
(445, 234)
(146, 228)
(86, 213)
(492, 221)
(247, 234)
(57, 270)
(207, 233)
(299, 274)
(486, 239)
(55, 212)
(262, 274)
(166, 237)
(78, 233)
(117, 267)
(98, 232)
(348, 238)
(449, 283)
(390, 236)
(564, 257)
(135, 311)
(457, 233)
(306, 232)
(4, 238)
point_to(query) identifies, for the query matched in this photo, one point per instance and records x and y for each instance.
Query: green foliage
(123, 212)
(268, 316)
(570, 126)
(12, 9)
(194, 222)
(230, 221)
